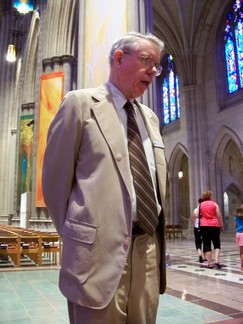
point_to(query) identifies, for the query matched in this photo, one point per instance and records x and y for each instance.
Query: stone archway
(226, 166)
(179, 188)
(184, 201)
(231, 201)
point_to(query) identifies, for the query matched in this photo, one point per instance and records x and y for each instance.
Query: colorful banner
(26, 140)
(51, 94)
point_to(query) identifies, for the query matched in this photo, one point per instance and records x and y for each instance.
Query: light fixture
(11, 53)
(180, 174)
(24, 6)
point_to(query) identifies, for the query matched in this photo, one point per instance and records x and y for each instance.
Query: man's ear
(118, 56)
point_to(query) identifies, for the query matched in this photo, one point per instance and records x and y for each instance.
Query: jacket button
(118, 157)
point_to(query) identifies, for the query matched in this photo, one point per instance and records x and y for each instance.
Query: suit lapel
(110, 126)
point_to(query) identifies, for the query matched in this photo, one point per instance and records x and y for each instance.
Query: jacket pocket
(78, 241)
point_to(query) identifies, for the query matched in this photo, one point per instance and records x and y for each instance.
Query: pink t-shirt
(209, 215)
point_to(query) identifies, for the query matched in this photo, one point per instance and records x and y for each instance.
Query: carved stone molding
(47, 65)
(27, 108)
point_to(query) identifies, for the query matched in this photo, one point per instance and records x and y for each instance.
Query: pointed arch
(232, 199)
(225, 134)
(234, 188)
(179, 186)
(226, 163)
(176, 157)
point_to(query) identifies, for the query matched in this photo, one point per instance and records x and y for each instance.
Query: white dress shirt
(119, 102)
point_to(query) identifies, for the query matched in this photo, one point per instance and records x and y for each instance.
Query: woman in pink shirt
(211, 223)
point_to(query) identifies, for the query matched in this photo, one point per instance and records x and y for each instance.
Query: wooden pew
(178, 230)
(10, 245)
(51, 247)
(36, 245)
(173, 231)
(169, 231)
(29, 243)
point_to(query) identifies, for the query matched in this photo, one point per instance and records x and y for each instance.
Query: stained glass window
(170, 92)
(233, 47)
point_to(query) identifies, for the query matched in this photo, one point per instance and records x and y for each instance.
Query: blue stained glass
(231, 67)
(166, 102)
(239, 44)
(177, 98)
(172, 96)
(233, 37)
(170, 93)
(227, 30)
(237, 5)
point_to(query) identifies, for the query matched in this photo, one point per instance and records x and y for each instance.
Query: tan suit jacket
(87, 189)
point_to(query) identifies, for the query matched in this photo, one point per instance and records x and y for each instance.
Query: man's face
(135, 70)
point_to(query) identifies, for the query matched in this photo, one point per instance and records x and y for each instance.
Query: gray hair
(132, 42)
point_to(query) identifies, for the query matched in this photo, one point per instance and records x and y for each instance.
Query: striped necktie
(146, 203)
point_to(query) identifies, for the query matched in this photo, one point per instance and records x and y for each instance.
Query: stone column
(67, 63)
(47, 65)
(195, 137)
(56, 61)
(11, 176)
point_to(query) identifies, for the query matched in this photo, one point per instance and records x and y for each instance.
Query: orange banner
(51, 94)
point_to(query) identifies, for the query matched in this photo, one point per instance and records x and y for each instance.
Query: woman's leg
(206, 237)
(201, 244)
(241, 257)
(239, 243)
(198, 243)
(217, 245)
(209, 258)
(217, 255)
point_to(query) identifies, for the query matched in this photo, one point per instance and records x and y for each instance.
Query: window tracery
(170, 92)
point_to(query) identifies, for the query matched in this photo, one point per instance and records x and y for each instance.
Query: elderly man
(104, 179)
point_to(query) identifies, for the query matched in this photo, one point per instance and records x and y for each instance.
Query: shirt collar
(118, 96)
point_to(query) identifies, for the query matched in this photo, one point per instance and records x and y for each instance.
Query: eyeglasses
(147, 61)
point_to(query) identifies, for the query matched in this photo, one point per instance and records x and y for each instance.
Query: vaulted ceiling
(185, 26)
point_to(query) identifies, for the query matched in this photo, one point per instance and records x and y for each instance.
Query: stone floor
(194, 294)
(203, 295)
